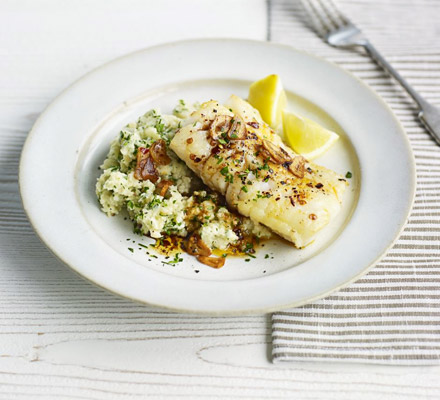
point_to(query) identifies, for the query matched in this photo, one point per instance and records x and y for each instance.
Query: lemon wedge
(268, 97)
(307, 137)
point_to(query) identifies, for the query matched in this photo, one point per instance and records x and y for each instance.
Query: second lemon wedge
(307, 137)
(268, 97)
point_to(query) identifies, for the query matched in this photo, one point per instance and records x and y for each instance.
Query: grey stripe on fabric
(392, 315)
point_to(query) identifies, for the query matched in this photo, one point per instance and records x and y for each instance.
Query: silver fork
(338, 31)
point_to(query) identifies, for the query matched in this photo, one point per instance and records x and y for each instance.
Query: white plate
(60, 160)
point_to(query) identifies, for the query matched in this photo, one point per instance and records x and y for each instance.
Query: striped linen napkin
(392, 315)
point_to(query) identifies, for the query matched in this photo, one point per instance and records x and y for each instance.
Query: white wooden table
(62, 338)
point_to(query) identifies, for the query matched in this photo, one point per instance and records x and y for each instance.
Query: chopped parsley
(177, 259)
(265, 195)
(224, 139)
(348, 175)
(160, 126)
(154, 203)
(131, 249)
(249, 249)
(228, 176)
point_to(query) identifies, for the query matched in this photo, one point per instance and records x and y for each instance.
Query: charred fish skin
(235, 153)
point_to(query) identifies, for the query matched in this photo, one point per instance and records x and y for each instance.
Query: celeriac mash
(162, 195)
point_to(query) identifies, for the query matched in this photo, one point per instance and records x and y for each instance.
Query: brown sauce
(170, 245)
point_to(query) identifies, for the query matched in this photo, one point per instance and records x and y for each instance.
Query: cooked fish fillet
(235, 153)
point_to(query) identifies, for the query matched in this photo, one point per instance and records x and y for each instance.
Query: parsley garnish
(177, 259)
(228, 176)
(348, 175)
(154, 203)
(160, 126)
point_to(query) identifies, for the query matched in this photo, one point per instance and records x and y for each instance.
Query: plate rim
(402, 134)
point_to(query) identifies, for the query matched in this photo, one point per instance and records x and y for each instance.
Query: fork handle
(428, 114)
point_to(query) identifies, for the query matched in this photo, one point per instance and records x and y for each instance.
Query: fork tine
(328, 8)
(321, 9)
(320, 25)
(338, 13)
